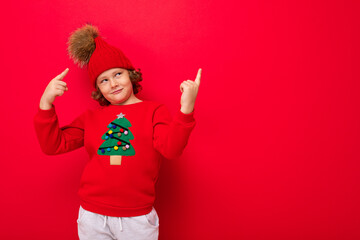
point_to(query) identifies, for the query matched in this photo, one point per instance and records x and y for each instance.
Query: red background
(275, 153)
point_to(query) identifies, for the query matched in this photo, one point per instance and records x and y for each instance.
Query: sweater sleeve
(170, 136)
(55, 140)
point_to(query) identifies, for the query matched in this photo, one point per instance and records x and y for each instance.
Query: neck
(132, 99)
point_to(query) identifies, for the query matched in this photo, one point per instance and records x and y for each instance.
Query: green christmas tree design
(117, 140)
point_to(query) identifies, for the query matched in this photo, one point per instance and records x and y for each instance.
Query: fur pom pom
(81, 44)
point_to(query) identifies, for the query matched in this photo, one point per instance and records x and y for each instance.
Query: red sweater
(140, 133)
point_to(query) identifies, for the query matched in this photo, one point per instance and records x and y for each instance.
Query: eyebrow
(112, 73)
(105, 77)
(115, 71)
(101, 78)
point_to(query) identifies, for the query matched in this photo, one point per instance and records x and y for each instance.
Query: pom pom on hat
(87, 48)
(81, 44)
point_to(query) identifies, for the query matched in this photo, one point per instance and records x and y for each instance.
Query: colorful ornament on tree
(117, 140)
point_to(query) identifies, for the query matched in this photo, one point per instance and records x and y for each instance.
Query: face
(115, 85)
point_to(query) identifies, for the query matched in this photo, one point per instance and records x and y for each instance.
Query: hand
(55, 88)
(189, 91)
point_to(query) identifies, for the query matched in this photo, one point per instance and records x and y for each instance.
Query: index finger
(198, 76)
(63, 74)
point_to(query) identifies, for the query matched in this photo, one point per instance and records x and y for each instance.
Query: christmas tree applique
(117, 142)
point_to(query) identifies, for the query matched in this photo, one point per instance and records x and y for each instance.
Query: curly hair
(135, 77)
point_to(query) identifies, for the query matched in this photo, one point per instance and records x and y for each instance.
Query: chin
(118, 102)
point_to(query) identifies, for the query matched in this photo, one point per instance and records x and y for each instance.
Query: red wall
(275, 153)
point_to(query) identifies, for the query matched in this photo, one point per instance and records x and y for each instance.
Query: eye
(117, 74)
(103, 80)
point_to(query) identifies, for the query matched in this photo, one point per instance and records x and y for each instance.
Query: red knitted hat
(106, 57)
(87, 48)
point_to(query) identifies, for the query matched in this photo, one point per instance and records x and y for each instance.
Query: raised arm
(53, 139)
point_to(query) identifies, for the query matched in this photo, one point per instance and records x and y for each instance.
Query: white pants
(93, 226)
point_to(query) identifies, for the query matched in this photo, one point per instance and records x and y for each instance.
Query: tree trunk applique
(117, 142)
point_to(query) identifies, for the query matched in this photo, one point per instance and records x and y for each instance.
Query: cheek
(103, 93)
(129, 83)
(102, 89)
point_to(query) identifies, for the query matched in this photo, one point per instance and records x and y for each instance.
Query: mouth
(117, 91)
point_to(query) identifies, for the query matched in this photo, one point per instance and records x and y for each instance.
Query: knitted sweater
(140, 133)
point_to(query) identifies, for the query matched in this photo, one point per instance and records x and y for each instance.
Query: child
(124, 139)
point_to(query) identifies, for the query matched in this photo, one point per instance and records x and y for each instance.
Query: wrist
(187, 109)
(45, 105)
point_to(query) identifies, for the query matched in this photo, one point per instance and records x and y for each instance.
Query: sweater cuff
(46, 113)
(186, 118)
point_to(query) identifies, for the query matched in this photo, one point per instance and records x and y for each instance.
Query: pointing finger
(198, 76)
(63, 74)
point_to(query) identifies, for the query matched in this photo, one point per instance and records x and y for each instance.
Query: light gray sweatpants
(93, 226)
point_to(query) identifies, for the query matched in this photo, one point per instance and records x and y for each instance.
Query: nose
(113, 82)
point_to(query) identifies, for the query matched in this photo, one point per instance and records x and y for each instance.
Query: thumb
(181, 87)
